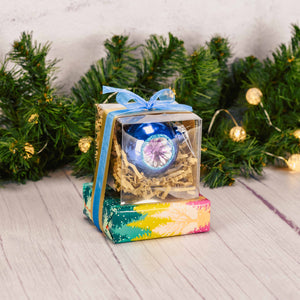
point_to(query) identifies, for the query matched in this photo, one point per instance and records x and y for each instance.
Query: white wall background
(78, 28)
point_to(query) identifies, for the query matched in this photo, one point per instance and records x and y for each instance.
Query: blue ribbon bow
(161, 100)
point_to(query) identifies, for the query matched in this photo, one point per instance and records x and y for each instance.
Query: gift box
(146, 183)
(127, 223)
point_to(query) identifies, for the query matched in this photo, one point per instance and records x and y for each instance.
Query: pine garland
(36, 128)
(40, 129)
(160, 62)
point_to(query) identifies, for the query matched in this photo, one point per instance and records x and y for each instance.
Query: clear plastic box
(155, 157)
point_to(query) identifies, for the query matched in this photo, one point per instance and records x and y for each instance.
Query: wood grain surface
(49, 250)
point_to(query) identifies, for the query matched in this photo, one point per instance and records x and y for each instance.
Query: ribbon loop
(161, 100)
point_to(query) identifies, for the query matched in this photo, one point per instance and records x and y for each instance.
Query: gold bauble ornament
(237, 134)
(33, 118)
(253, 96)
(29, 151)
(294, 162)
(296, 134)
(84, 144)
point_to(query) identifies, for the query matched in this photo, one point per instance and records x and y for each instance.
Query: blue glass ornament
(151, 147)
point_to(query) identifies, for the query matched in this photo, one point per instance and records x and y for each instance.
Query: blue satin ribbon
(161, 100)
(100, 184)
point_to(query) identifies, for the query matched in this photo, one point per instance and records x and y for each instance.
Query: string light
(253, 96)
(237, 134)
(294, 162)
(296, 134)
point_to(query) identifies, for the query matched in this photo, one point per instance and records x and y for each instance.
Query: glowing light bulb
(253, 96)
(237, 134)
(296, 134)
(294, 162)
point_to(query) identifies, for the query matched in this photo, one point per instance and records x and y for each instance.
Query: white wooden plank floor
(48, 250)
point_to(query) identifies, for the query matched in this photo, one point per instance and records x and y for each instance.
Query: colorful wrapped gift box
(146, 183)
(127, 223)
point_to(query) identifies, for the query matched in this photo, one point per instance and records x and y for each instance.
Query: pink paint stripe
(272, 208)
